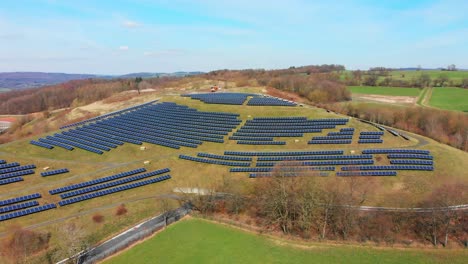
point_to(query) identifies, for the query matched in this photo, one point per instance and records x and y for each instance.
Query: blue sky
(122, 36)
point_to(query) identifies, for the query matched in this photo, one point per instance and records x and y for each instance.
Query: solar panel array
(215, 161)
(108, 115)
(289, 174)
(223, 157)
(269, 101)
(112, 190)
(284, 153)
(12, 172)
(90, 189)
(366, 173)
(21, 206)
(371, 137)
(281, 169)
(221, 98)
(54, 172)
(27, 211)
(389, 167)
(20, 199)
(165, 124)
(387, 151)
(262, 130)
(96, 181)
(344, 136)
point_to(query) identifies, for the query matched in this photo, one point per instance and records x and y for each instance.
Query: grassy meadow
(200, 241)
(450, 98)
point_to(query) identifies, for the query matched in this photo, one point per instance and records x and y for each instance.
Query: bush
(121, 210)
(98, 218)
(22, 243)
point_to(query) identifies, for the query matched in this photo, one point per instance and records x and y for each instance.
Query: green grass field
(450, 98)
(455, 76)
(394, 91)
(199, 241)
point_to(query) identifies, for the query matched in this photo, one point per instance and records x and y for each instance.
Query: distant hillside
(24, 80)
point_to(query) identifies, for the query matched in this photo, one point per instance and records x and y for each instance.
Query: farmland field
(394, 91)
(450, 98)
(200, 241)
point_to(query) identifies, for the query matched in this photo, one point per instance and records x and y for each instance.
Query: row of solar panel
(251, 138)
(222, 157)
(340, 133)
(89, 139)
(113, 183)
(200, 127)
(367, 173)
(297, 119)
(17, 168)
(289, 174)
(239, 134)
(221, 98)
(347, 129)
(389, 167)
(145, 137)
(371, 133)
(281, 118)
(166, 122)
(55, 143)
(179, 133)
(27, 211)
(112, 190)
(370, 141)
(54, 172)
(388, 151)
(315, 163)
(9, 165)
(265, 101)
(40, 144)
(76, 144)
(20, 199)
(152, 135)
(284, 127)
(409, 156)
(370, 137)
(339, 141)
(280, 170)
(333, 137)
(412, 162)
(327, 157)
(16, 174)
(243, 142)
(96, 181)
(282, 130)
(217, 162)
(285, 153)
(188, 118)
(2, 161)
(11, 180)
(18, 206)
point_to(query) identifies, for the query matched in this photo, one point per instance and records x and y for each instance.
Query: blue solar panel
(112, 190)
(54, 172)
(20, 199)
(32, 210)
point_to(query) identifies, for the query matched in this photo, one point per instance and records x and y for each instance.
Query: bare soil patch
(388, 99)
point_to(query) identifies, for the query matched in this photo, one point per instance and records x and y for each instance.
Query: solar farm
(195, 140)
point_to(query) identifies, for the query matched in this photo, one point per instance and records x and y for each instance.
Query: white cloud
(123, 48)
(131, 24)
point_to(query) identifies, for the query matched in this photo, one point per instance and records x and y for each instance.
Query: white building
(4, 125)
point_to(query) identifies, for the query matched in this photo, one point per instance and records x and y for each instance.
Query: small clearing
(387, 98)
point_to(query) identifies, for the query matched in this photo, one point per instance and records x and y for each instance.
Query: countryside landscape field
(233, 132)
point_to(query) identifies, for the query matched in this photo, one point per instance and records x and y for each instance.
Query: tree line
(326, 210)
(447, 127)
(320, 83)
